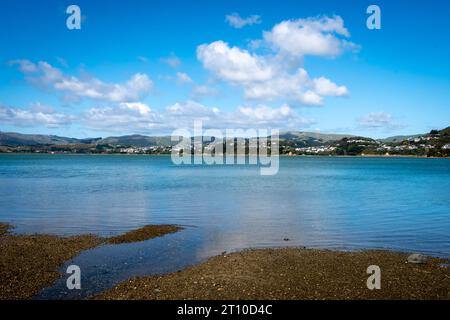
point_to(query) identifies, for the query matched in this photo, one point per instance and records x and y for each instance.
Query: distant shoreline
(281, 155)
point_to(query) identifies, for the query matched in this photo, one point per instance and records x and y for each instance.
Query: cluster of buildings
(143, 150)
(316, 150)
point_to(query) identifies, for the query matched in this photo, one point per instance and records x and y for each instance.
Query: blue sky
(151, 67)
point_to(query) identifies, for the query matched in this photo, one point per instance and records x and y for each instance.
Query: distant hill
(14, 139)
(137, 140)
(444, 132)
(290, 138)
(324, 137)
(300, 139)
(400, 138)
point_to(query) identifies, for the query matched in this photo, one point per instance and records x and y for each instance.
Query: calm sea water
(321, 202)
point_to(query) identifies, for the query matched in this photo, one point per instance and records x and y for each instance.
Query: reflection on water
(344, 203)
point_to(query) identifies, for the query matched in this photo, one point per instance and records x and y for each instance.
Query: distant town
(436, 143)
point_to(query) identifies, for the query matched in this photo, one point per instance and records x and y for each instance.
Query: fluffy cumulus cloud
(278, 75)
(312, 36)
(233, 64)
(325, 87)
(44, 75)
(35, 116)
(236, 21)
(265, 78)
(381, 121)
(295, 87)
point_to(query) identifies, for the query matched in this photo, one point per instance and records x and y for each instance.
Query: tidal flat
(29, 263)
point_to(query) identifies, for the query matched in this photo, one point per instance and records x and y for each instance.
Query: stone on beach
(417, 258)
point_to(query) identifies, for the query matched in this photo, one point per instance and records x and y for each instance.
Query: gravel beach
(29, 263)
(144, 233)
(294, 274)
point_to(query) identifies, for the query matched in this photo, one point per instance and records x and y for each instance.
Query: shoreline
(281, 155)
(30, 263)
(292, 274)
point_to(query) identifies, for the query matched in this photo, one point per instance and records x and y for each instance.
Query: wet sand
(29, 263)
(294, 274)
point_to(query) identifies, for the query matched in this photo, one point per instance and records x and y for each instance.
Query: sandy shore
(293, 274)
(29, 263)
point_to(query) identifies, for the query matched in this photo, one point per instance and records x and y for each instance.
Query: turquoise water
(321, 202)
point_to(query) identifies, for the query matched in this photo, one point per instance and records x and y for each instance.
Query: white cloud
(183, 77)
(265, 113)
(122, 118)
(293, 87)
(325, 87)
(311, 36)
(172, 60)
(37, 115)
(44, 75)
(277, 75)
(138, 107)
(378, 121)
(137, 117)
(236, 21)
(191, 109)
(262, 116)
(232, 63)
(263, 78)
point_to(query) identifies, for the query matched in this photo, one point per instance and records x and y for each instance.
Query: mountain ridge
(15, 139)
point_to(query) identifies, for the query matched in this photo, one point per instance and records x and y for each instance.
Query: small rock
(417, 258)
(157, 290)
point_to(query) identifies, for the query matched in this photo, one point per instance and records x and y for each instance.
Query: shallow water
(322, 202)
